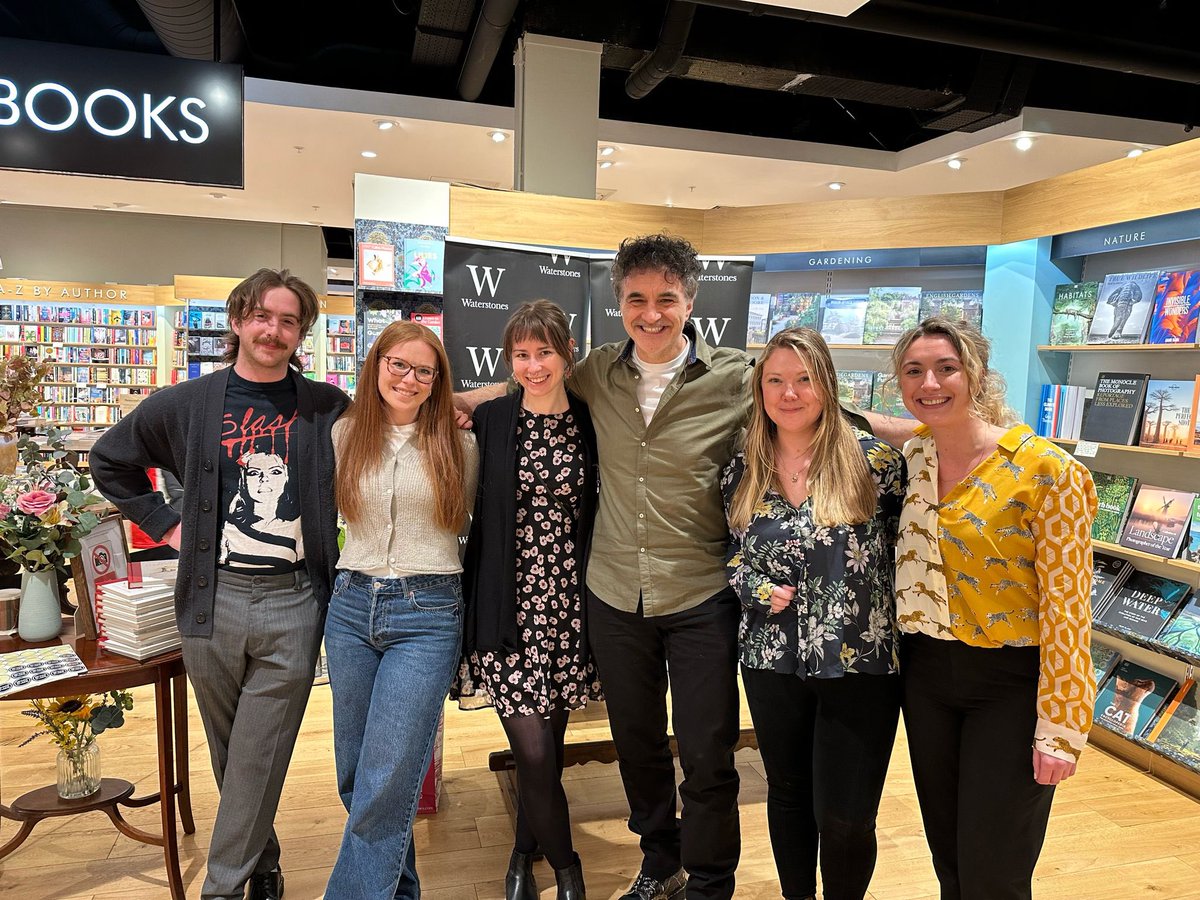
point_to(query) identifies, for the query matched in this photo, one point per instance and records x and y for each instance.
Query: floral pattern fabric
(843, 616)
(546, 673)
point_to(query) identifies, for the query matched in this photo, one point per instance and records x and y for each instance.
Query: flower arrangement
(20, 388)
(73, 724)
(43, 509)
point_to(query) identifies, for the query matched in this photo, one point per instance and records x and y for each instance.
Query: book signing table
(106, 672)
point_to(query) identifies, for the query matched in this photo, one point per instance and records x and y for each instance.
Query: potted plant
(20, 391)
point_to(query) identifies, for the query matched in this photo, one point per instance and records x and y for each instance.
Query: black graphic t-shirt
(260, 496)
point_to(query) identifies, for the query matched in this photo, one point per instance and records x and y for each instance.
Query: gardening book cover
(1144, 604)
(891, 311)
(1114, 493)
(1116, 409)
(963, 305)
(1130, 698)
(1108, 574)
(1176, 308)
(1177, 731)
(886, 397)
(1074, 307)
(843, 319)
(794, 310)
(1158, 520)
(856, 386)
(758, 319)
(1167, 421)
(1123, 307)
(1183, 631)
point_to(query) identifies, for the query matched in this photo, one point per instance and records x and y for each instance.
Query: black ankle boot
(570, 881)
(519, 883)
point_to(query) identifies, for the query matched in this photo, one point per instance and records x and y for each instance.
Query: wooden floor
(1115, 833)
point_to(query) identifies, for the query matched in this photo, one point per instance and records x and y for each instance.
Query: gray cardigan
(179, 430)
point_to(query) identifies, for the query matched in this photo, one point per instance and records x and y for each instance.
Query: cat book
(843, 319)
(1131, 698)
(1176, 308)
(891, 311)
(1116, 409)
(965, 306)
(1115, 494)
(1158, 521)
(1144, 604)
(794, 310)
(1074, 307)
(1123, 307)
(1167, 419)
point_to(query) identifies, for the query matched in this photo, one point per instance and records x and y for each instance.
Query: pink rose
(35, 503)
(5, 509)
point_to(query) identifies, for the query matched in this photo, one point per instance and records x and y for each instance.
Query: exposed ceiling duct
(188, 30)
(494, 18)
(661, 61)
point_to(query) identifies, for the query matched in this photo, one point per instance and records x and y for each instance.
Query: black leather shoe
(519, 883)
(265, 885)
(646, 888)
(570, 881)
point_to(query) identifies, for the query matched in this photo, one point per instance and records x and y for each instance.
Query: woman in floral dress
(813, 507)
(525, 641)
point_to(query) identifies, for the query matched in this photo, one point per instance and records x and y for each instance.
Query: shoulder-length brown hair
(439, 440)
(839, 481)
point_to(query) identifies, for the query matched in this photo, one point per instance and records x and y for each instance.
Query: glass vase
(79, 771)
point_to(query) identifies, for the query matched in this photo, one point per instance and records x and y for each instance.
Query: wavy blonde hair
(986, 386)
(839, 481)
(439, 439)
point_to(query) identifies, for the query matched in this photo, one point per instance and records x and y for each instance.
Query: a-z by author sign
(126, 115)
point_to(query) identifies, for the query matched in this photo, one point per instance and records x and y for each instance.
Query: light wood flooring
(1115, 833)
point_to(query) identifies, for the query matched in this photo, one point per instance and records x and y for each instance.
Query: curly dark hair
(673, 256)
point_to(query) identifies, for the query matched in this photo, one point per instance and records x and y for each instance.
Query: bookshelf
(341, 351)
(1116, 348)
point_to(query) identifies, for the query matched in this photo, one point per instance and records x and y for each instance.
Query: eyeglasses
(400, 368)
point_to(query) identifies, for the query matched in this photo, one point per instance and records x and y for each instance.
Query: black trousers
(970, 715)
(698, 647)
(825, 745)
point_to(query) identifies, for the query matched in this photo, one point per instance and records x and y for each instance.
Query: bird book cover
(1158, 520)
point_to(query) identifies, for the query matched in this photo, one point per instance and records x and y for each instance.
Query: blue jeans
(392, 645)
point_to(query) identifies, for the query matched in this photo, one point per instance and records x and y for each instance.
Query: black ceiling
(892, 75)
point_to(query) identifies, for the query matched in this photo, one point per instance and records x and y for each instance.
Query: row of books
(196, 369)
(345, 380)
(1136, 701)
(1156, 307)
(123, 356)
(341, 343)
(102, 374)
(1149, 606)
(1157, 520)
(82, 314)
(871, 390)
(1061, 411)
(79, 415)
(71, 334)
(137, 621)
(878, 317)
(339, 363)
(83, 393)
(205, 346)
(335, 324)
(1129, 408)
(200, 318)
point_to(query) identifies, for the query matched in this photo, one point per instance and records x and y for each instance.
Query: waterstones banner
(485, 284)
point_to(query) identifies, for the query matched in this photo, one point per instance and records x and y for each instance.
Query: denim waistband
(295, 579)
(403, 584)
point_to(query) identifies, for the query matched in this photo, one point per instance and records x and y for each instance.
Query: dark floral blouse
(843, 617)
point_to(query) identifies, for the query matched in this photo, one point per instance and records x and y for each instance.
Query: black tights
(543, 820)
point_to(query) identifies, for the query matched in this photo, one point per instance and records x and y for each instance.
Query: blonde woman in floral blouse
(813, 507)
(993, 592)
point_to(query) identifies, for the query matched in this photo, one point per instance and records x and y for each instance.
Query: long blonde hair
(439, 441)
(986, 385)
(839, 481)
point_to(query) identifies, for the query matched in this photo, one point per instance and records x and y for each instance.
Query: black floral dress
(546, 673)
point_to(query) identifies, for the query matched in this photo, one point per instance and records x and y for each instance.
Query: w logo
(489, 278)
(566, 258)
(486, 357)
(712, 332)
(720, 264)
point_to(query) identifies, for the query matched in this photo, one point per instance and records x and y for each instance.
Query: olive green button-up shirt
(660, 532)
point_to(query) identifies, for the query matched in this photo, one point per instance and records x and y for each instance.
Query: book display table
(107, 672)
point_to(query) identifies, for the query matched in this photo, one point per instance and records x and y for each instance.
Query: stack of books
(138, 622)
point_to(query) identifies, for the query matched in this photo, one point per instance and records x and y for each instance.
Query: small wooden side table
(107, 672)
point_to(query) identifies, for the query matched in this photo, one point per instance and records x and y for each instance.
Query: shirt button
(205, 505)
(208, 465)
(640, 478)
(643, 443)
(641, 549)
(641, 515)
(204, 545)
(201, 618)
(637, 409)
(202, 581)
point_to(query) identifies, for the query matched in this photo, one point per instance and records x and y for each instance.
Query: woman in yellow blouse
(993, 588)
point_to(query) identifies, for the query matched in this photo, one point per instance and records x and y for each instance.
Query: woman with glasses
(525, 643)
(405, 482)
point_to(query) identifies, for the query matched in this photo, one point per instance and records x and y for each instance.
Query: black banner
(485, 285)
(129, 115)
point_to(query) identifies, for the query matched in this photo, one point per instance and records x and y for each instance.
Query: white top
(655, 378)
(397, 535)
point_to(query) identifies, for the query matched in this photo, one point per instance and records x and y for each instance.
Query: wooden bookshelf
(1146, 643)
(1125, 448)
(1108, 348)
(1147, 757)
(1193, 569)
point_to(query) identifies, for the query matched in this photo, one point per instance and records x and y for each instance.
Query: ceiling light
(384, 124)
(498, 136)
(217, 195)
(1024, 143)
(369, 154)
(607, 151)
(836, 185)
(606, 163)
(955, 163)
(1135, 153)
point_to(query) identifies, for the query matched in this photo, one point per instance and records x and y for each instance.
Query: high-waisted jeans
(392, 645)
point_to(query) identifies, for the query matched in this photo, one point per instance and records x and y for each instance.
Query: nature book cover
(1158, 520)
(1108, 574)
(886, 397)
(758, 319)
(843, 319)
(856, 386)
(1104, 660)
(1167, 420)
(1177, 730)
(1183, 631)
(794, 310)
(966, 306)
(1130, 698)
(1194, 441)
(1123, 307)
(1176, 308)
(1144, 604)
(890, 312)
(1116, 409)
(1191, 547)
(1074, 307)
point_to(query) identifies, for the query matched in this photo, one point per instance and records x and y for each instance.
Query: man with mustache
(250, 599)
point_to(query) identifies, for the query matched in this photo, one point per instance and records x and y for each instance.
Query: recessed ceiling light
(217, 195)
(955, 163)
(369, 154)
(384, 124)
(498, 136)
(1024, 143)
(836, 185)
(1135, 153)
(606, 163)
(607, 151)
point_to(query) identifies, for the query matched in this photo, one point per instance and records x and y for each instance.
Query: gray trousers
(251, 680)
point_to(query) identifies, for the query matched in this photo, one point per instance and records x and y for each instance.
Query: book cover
(1167, 420)
(758, 318)
(424, 265)
(1108, 574)
(1158, 520)
(1191, 547)
(1104, 660)
(1074, 307)
(432, 321)
(842, 319)
(1144, 604)
(886, 397)
(1114, 493)
(966, 306)
(1123, 307)
(1177, 731)
(1176, 308)
(1194, 429)
(1130, 699)
(376, 264)
(890, 312)
(856, 386)
(1116, 409)
(1183, 632)
(794, 310)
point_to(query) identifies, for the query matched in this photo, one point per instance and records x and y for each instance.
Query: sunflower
(62, 709)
